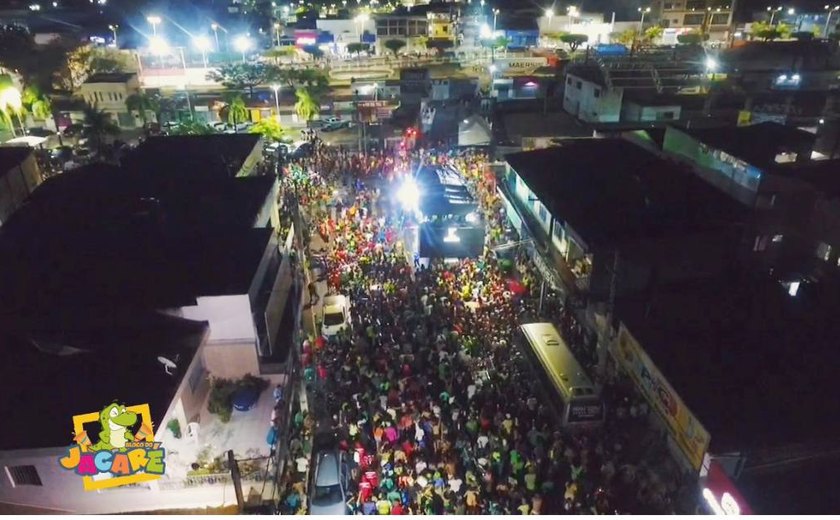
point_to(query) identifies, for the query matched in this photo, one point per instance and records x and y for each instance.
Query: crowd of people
(436, 406)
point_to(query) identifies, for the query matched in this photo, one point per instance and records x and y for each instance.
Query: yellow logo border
(79, 422)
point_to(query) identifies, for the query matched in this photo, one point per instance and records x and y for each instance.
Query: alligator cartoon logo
(115, 421)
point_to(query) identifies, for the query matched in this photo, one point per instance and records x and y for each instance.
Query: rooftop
(612, 189)
(87, 379)
(142, 240)
(11, 156)
(741, 141)
(752, 363)
(111, 77)
(187, 155)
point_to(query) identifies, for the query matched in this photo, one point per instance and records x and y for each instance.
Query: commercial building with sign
(738, 370)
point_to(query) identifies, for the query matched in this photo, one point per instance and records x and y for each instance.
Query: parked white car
(335, 315)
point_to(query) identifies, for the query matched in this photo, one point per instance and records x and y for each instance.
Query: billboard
(691, 437)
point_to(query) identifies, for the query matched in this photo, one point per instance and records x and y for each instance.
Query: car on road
(335, 314)
(332, 127)
(72, 130)
(39, 132)
(331, 120)
(329, 484)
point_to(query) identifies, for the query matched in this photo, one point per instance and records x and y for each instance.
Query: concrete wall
(580, 101)
(111, 98)
(231, 359)
(637, 112)
(229, 317)
(16, 185)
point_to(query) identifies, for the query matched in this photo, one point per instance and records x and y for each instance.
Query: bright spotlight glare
(409, 195)
(158, 45)
(711, 64)
(202, 43)
(485, 31)
(242, 43)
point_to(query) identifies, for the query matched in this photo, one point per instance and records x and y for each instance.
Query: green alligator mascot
(115, 421)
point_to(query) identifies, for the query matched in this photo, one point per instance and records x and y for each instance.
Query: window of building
(665, 116)
(667, 6)
(578, 85)
(693, 19)
(823, 251)
(720, 19)
(597, 92)
(23, 476)
(569, 81)
(543, 213)
(760, 243)
(696, 5)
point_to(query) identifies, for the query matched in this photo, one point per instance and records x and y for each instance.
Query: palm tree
(306, 106)
(99, 124)
(235, 109)
(141, 103)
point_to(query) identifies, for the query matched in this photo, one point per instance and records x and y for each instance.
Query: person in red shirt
(371, 477)
(365, 491)
(397, 508)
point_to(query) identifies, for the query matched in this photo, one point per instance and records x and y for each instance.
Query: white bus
(581, 403)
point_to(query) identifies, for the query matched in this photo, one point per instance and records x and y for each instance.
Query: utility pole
(236, 477)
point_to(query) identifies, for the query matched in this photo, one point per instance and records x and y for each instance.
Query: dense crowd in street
(438, 410)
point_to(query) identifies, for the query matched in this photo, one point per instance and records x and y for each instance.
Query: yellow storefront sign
(691, 437)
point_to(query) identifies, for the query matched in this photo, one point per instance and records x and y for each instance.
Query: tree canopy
(692, 38)
(269, 128)
(240, 76)
(306, 106)
(357, 47)
(768, 32)
(653, 33)
(625, 37)
(235, 110)
(193, 127)
(394, 45)
(574, 40)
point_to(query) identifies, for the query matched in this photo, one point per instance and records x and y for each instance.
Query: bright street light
(485, 31)
(791, 11)
(154, 20)
(114, 28)
(159, 46)
(831, 11)
(711, 64)
(203, 44)
(644, 11)
(242, 44)
(495, 14)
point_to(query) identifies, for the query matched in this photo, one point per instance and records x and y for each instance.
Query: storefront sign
(686, 430)
(720, 495)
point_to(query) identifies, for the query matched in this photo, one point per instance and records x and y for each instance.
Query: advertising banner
(691, 437)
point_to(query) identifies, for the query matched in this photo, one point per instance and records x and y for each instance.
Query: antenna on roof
(168, 365)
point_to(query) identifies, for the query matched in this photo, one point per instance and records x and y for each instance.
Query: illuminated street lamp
(644, 11)
(202, 43)
(276, 88)
(215, 28)
(831, 10)
(549, 13)
(773, 11)
(495, 14)
(159, 46)
(242, 44)
(154, 20)
(572, 12)
(360, 20)
(114, 28)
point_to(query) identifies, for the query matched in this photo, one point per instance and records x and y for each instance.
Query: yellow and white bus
(581, 404)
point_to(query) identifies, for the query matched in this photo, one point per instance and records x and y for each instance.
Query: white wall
(582, 103)
(229, 317)
(346, 31)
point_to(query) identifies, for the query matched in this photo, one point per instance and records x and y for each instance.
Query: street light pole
(154, 20)
(495, 14)
(276, 89)
(114, 30)
(773, 12)
(215, 28)
(642, 21)
(831, 11)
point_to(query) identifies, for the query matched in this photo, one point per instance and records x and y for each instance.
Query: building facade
(19, 175)
(109, 92)
(713, 17)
